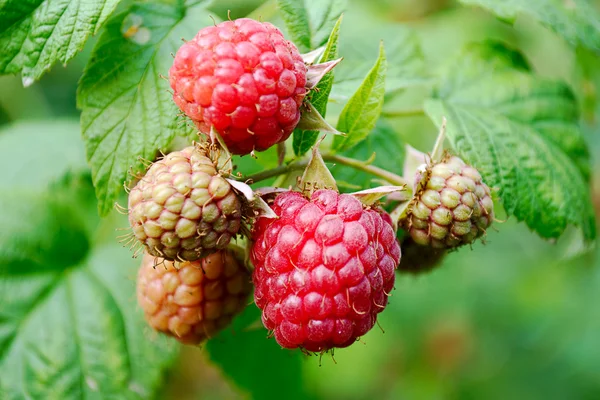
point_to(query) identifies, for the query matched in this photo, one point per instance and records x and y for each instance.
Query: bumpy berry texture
(453, 208)
(417, 259)
(323, 270)
(193, 300)
(242, 78)
(182, 209)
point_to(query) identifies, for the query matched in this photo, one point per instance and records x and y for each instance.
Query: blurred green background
(517, 317)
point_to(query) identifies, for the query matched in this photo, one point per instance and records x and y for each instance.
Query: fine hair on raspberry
(453, 208)
(183, 209)
(323, 269)
(242, 78)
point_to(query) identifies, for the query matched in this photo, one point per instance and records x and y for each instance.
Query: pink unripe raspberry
(323, 269)
(192, 301)
(242, 78)
(182, 209)
(453, 208)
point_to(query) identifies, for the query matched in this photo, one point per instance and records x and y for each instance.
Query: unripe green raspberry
(417, 259)
(182, 209)
(452, 208)
(193, 300)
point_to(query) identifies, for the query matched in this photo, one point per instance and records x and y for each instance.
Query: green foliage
(59, 153)
(362, 111)
(239, 350)
(406, 67)
(522, 133)
(384, 144)
(36, 34)
(303, 140)
(492, 76)
(51, 237)
(68, 326)
(127, 111)
(575, 20)
(309, 22)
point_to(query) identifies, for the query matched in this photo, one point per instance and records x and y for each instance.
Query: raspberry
(323, 269)
(242, 78)
(418, 259)
(182, 209)
(453, 208)
(194, 300)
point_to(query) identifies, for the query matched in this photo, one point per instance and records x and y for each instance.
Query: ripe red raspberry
(323, 270)
(193, 300)
(243, 78)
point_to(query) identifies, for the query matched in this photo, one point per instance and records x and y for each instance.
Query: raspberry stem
(347, 161)
(370, 169)
(416, 112)
(270, 173)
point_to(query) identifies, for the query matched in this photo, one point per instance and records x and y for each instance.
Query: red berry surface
(192, 300)
(242, 78)
(323, 269)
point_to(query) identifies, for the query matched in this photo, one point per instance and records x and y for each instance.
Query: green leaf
(406, 65)
(389, 151)
(39, 232)
(127, 111)
(77, 333)
(303, 140)
(310, 21)
(43, 151)
(521, 132)
(577, 21)
(35, 34)
(362, 111)
(587, 84)
(238, 349)
(537, 182)
(45, 176)
(69, 325)
(492, 76)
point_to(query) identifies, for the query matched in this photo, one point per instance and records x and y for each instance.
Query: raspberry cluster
(324, 262)
(323, 269)
(243, 79)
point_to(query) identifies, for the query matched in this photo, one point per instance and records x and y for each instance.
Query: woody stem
(280, 170)
(370, 169)
(346, 161)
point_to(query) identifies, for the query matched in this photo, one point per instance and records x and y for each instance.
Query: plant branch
(370, 169)
(416, 112)
(280, 153)
(349, 162)
(280, 170)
